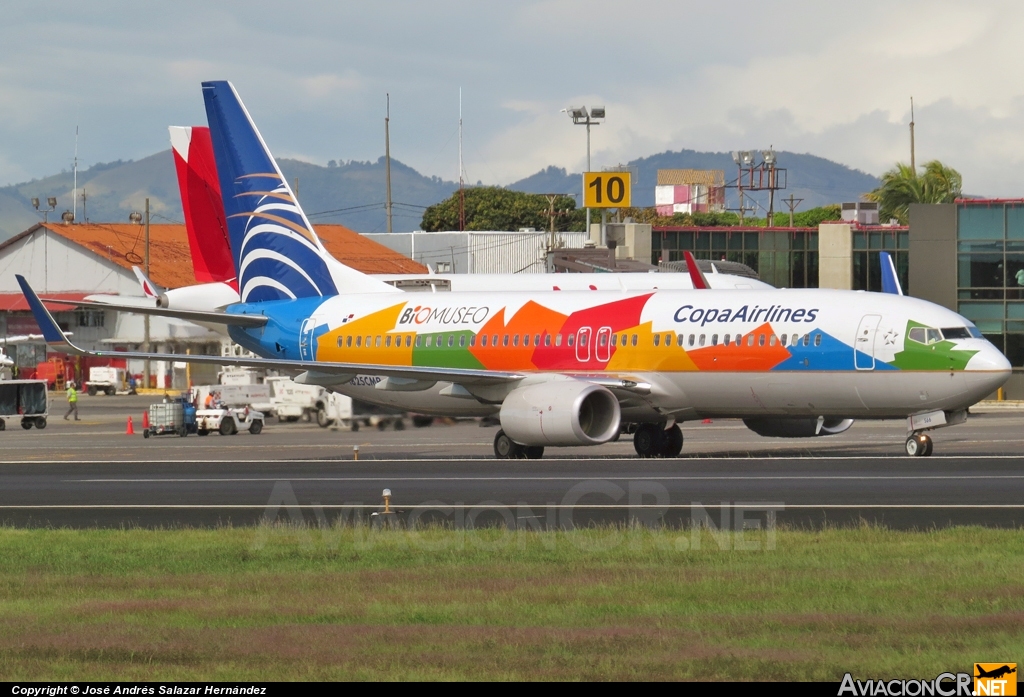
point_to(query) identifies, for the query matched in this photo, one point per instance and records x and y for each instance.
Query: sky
(831, 79)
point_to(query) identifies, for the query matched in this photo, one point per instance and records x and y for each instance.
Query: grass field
(281, 603)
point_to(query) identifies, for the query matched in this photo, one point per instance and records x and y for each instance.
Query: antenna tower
(387, 159)
(74, 194)
(913, 163)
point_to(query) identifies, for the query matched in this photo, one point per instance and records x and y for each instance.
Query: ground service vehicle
(105, 379)
(228, 421)
(171, 417)
(25, 400)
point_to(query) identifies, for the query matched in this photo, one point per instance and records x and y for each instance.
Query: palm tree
(902, 186)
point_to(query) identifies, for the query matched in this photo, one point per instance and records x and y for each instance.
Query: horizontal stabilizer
(189, 315)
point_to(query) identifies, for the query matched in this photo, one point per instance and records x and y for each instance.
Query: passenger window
(668, 339)
(462, 340)
(657, 339)
(494, 340)
(603, 340)
(634, 339)
(472, 340)
(430, 340)
(615, 339)
(691, 340)
(451, 340)
(504, 340)
(558, 340)
(536, 339)
(796, 340)
(547, 339)
(726, 339)
(700, 342)
(483, 340)
(348, 341)
(368, 341)
(583, 339)
(359, 341)
(571, 339)
(339, 342)
(387, 341)
(515, 339)
(679, 340)
(817, 339)
(760, 339)
(714, 339)
(807, 339)
(782, 339)
(419, 341)
(376, 342)
(408, 340)
(750, 339)
(771, 340)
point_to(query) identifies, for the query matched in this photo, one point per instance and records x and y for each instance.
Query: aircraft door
(864, 342)
(306, 339)
(603, 344)
(583, 344)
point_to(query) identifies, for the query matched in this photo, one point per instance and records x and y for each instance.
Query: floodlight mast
(581, 117)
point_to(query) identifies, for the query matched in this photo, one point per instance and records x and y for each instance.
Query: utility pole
(913, 163)
(145, 320)
(387, 161)
(792, 203)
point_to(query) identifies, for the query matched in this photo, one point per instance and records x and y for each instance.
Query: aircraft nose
(990, 362)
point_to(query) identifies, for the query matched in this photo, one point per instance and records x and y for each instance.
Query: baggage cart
(25, 400)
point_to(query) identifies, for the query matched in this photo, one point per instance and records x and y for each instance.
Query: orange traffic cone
(145, 419)
(130, 431)
(706, 421)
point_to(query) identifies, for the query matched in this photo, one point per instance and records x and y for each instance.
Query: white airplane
(572, 368)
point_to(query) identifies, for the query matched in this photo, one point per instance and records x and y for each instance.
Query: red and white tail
(201, 202)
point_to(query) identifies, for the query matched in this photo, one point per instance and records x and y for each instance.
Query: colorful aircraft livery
(606, 332)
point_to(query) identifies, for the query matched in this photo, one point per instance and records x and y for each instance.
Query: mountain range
(352, 193)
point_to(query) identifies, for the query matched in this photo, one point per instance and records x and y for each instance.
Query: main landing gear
(919, 445)
(507, 449)
(652, 440)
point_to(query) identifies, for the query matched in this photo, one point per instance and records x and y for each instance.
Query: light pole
(581, 117)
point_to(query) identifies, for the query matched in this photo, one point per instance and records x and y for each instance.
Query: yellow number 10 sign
(606, 189)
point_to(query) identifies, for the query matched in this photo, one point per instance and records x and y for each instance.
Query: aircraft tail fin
(696, 275)
(151, 289)
(277, 254)
(201, 203)
(890, 279)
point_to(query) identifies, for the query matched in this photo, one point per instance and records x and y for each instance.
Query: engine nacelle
(796, 428)
(560, 412)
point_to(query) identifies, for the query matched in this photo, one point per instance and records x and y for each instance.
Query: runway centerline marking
(383, 477)
(753, 505)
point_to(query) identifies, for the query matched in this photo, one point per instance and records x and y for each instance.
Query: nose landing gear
(919, 445)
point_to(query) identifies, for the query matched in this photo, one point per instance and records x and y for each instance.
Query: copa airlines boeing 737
(571, 368)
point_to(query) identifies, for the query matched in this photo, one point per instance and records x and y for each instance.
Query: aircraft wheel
(673, 443)
(505, 448)
(648, 440)
(534, 452)
(919, 445)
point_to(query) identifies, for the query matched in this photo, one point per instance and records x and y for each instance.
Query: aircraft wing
(150, 308)
(345, 371)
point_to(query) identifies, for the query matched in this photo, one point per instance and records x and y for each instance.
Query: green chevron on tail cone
(938, 356)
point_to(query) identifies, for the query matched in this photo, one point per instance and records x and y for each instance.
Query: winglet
(890, 280)
(151, 289)
(696, 275)
(51, 331)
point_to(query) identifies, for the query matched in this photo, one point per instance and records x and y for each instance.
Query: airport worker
(208, 402)
(72, 401)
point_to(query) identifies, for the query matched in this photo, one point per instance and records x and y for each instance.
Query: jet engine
(797, 428)
(560, 412)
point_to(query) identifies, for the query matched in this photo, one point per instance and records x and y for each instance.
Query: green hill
(352, 193)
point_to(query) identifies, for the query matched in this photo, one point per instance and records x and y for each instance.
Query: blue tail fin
(276, 252)
(890, 280)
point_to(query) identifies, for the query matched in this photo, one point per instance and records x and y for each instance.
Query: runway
(808, 491)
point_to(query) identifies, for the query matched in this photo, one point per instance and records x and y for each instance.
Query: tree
(902, 186)
(494, 208)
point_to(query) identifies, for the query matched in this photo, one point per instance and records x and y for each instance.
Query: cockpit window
(925, 335)
(975, 332)
(955, 333)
